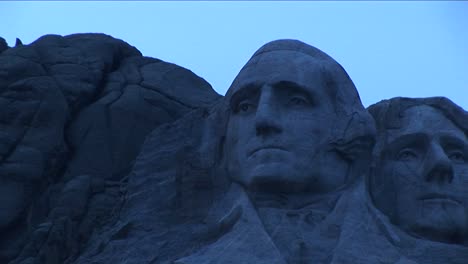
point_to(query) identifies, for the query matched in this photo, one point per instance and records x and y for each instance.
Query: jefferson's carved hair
(387, 115)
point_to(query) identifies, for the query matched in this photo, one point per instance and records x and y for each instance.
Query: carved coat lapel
(246, 242)
(368, 237)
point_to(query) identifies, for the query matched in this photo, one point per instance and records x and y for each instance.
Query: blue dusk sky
(413, 49)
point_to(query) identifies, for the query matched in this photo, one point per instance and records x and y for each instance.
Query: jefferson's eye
(406, 155)
(456, 156)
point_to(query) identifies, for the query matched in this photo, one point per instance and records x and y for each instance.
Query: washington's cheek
(312, 127)
(322, 171)
(240, 131)
(230, 151)
(238, 144)
(306, 143)
(233, 134)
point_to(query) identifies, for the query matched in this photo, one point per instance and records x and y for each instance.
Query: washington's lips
(267, 147)
(438, 196)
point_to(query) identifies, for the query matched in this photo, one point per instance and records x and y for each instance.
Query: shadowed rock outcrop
(75, 111)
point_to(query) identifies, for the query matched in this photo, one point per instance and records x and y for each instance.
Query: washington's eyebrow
(295, 88)
(245, 91)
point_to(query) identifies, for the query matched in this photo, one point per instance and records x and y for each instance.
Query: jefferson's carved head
(420, 180)
(296, 122)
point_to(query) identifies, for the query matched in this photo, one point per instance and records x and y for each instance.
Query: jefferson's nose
(437, 165)
(267, 117)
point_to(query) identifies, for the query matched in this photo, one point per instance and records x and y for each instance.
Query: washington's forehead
(291, 45)
(274, 67)
(282, 56)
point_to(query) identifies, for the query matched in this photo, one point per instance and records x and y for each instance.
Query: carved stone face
(425, 172)
(279, 126)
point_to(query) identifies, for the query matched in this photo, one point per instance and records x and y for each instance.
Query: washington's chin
(270, 155)
(274, 177)
(269, 168)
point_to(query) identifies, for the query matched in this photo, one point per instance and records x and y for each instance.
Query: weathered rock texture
(111, 157)
(74, 113)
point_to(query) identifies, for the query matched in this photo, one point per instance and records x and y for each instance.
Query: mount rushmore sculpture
(108, 156)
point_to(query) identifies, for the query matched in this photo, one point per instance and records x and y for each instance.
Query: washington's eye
(456, 156)
(299, 100)
(406, 155)
(244, 106)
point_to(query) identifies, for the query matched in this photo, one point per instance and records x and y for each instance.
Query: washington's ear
(376, 183)
(374, 179)
(370, 181)
(356, 149)
(220, 166)
(221, 142)
(220, 150)
(220, 118)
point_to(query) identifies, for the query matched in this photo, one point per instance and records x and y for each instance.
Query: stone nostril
(441, 173)
(264, 130)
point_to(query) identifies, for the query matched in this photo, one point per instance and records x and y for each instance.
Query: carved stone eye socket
(456, 156)
(299, 101)
(244, 107)
(406, 155)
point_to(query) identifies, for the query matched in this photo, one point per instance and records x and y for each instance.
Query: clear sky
(413, 49)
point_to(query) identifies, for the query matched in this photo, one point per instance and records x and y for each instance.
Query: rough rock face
(75, 111)
(112, 157)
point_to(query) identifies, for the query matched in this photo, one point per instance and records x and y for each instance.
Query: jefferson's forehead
(425, 120)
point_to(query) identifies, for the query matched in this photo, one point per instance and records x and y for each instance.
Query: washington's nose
(437, 165)
(267, 117)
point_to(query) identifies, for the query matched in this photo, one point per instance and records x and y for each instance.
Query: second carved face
(421, 182)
